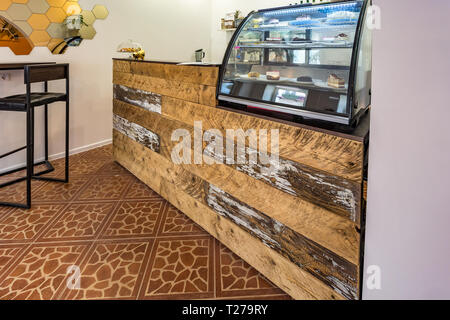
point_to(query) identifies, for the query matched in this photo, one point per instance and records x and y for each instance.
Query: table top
(20, 65)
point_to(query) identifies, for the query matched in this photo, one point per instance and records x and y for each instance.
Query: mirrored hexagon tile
(38, 6)
(38, 21)
(24, 27)
(19, 11)
(40, 38)
(71, 8)
(100, 12)
(56, 3)
(4, 4)
(87, 32)
(56, 15)
(56, 30)
(57, 46)
(88, 17)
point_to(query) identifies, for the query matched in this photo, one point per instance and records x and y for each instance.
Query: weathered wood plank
(207, 76)
(325, 152)
(338, 273)
(330, 192)
(140, 98)
(137, 133)
(171, 88)
(121, 66)
(290, 278)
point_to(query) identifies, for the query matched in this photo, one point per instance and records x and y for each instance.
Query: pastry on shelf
(335, 81)
(254, 75)
(273, 75)
(342, 37)
(303, 18)
(305, 79)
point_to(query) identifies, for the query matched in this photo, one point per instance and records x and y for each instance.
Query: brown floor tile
(136, 219)
(113, 271)
(7, 256)
(59, 192)
(112, 168)
(181, 269)
(17, 192)
(105, 152)
(4, 211)
(127, 241)
(84, 167)
(40, 272)
(236, 278)
(139, 191)
(23, 225)
(176, 223)
(105, 188)
(79, 222)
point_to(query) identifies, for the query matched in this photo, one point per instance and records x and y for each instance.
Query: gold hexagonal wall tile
(56, 3)
(88, 17)
(56, 15)
(19, 11)
(24, 27)
(20, 1)
(40, 38)
(57, 46)
(71, 8)
(100, 12)
(4, 4)
(38, 6)
(5, 15)
(87, 32)
(38, 21)
(56, 30)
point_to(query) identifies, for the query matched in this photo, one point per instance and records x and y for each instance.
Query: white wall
(169, 30)
(408, 216)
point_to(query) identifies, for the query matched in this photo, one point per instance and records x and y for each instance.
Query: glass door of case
(297, 57)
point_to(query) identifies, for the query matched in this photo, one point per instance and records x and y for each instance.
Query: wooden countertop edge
(360, 133)
(211, 65)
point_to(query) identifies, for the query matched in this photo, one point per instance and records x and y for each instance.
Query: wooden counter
(299, 225)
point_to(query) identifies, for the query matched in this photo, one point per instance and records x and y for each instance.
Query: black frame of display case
(353, 118)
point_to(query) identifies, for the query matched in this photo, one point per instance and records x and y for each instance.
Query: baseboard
(62, 154)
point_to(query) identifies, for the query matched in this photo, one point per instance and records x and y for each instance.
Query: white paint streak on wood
(137, 133)
(149, 101)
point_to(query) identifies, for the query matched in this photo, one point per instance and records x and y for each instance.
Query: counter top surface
(196, 64)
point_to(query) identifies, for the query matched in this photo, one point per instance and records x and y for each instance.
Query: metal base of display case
(307, 115)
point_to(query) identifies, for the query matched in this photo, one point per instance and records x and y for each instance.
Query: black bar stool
(27, 103)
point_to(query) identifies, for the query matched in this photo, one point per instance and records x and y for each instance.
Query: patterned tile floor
(127, 242)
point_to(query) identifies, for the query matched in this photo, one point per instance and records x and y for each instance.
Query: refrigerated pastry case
(311, 62)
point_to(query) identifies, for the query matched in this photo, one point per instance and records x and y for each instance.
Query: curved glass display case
(308, 61)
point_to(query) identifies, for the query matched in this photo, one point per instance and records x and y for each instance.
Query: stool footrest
(37, 176)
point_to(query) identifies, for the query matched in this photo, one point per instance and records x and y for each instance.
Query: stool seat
(19, 102)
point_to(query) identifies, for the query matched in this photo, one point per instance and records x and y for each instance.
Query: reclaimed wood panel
(331, 192)
(202, 75)
(140, 98)
(137, 133)
(297, 282)
(205, 95)
(122, 66)
(298, 223)
(333, 154)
